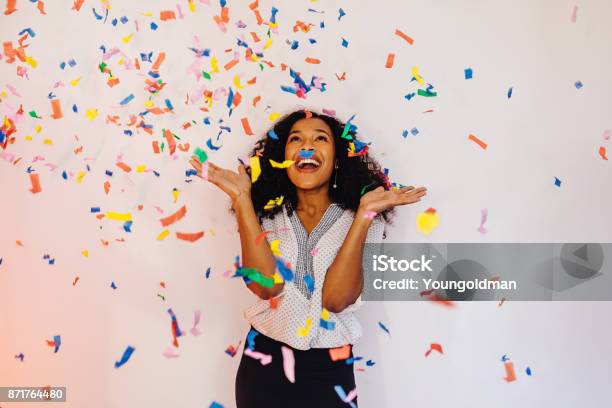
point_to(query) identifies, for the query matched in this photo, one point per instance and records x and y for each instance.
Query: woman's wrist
(241, 201)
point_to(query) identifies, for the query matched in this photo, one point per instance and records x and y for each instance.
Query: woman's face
(310, 134)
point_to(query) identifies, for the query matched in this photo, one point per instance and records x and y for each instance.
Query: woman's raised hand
(234, 184)
(379, 199)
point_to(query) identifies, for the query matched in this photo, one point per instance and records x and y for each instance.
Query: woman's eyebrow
(316, 130)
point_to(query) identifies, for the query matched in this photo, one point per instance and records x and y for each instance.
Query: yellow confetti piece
(80, 176)
(277, 278)
(141, 168)
(48, 141)
(214, 64)
(274, 247)
(127, 38)
(120, 62)
(415, 74)
(28, 137)
(37, 128)
(147, 14)
(237, 82)
(118, 216)
(149, 104)
(175, 194)
(303, 331)
(191, 6)
(282, 165)
(273, 116)
(325, 314)
(3, 94)
(91, 114)
(268, 43)
(427, 221)
(273, 203)
(255, 168)
(85, 253)
(163, 234)
(32, 62)
(75, 82)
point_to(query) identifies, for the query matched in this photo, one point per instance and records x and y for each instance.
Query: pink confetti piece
(264, 359)
(574, 11)
(288, 363)
(369, 214)
(314, 251)
(351, 395)
(483, 218)
(330, 112)
(170, 352)
(196, 320)
(607, 134)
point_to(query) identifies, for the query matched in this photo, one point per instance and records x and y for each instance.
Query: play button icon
(582, 261)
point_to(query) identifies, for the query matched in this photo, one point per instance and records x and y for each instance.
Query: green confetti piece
(345, 134)
(363, 189)
(34, 115)
(256, 276)
(162, 146)
(206, 75)
(425, 93)
(102, 66)
(201, 154)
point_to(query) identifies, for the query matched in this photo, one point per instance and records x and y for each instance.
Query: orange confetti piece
(261, 236)
(308, 114)
(256, 99)
(602, 152)
(170, 140)
(390, 60)
(274, 302)
(155, 147)
(107, 185)
(41, 7)
(312, 60)
(77, 5)
(190, 236)
(35, 183)
(171, 219)
(225, 14)
(340, 353)
(10, 7)
(404, 36)
(167, 15)
(510, 375)
(124, 167)
(255, 37)
(477, 141)
(160, 59)
(57, 109)
(74, 282)
(246, 126)
(162, 284)
(436, 347)
(18, 242)
(230, 64)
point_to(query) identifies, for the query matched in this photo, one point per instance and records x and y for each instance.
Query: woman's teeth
(308, 164)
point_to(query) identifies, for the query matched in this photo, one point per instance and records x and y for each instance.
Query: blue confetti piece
(528, 371)
(273, 17)
(113, 285)
(294, 44)
(127, 99)
(312, 41)
(306, 154)
(557, 182)
(191, 172)
(230, 97)
(405, 133)
(285, 272)
(98, 17)
(75, 109)
(179, 333)
(58, 341)
(29, 31)
(72, 63)
(128, 132)
(114, 22)
(153, 26)
(251, 338)
(468, 73)
(215, 404)
(168, 104)
(127, 226)
(206, 121)
(64, 175)
(95, 209)
(341, 14)
(578, 84)
(62, 65)
(156, 173)
(327, 325)
(414, 131)
(410, 96)
(109, 173)
(505, 358)
(124, 20)
(288, 89)
(222, 3)
(211, 146)
(125, 357)
(344, 43)
(272, 134)
(382, 326)
(509, 92)
(309, 283)
(208, 272)
(370, 363)
(342, 395)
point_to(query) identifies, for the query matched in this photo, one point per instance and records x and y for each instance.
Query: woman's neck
(312, 202)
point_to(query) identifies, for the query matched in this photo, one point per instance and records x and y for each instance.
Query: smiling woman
(308, 274)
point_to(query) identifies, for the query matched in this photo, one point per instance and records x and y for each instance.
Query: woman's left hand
(379, 199)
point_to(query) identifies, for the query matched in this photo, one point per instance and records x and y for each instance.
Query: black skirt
(316, 375)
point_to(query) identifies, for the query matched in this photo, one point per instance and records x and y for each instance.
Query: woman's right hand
(234, 184)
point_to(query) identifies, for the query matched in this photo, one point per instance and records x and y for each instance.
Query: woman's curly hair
(355, 175)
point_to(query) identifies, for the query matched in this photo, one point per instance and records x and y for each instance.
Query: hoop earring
(336, 176)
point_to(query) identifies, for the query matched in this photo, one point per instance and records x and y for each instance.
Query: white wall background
(547, 129)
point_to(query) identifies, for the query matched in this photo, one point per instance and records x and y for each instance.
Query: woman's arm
(255, 256)
(344, 277)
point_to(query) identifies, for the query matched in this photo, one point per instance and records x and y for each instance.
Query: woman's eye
(321, 137)
(294, 138)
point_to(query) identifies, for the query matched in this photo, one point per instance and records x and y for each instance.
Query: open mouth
(307, 165)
